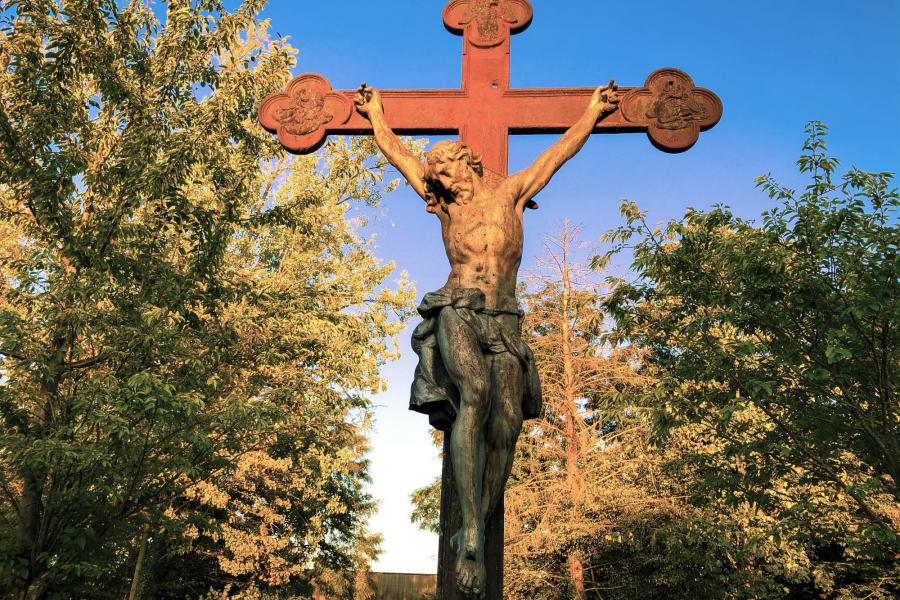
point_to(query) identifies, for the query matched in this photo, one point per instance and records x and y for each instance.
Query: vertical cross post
(450, 522)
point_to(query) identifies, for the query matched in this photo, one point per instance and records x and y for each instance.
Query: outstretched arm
(532, 180)
(368, 103)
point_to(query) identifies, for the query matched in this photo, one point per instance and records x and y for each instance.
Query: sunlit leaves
(782, 337)
(190, 324)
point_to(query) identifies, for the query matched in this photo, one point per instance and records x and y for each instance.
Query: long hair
(444, 152)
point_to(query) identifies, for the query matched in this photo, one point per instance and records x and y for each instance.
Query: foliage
(426, 503)
(776, 346)
(189, 323)
(592, 511)
(426, 500)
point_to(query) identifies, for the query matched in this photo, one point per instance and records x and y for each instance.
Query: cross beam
(485, 110)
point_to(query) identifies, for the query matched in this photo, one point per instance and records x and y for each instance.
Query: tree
(187, 334)
(294, 509)
(579, 469)
(778, 341)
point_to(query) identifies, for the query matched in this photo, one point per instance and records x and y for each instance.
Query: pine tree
(581, 469)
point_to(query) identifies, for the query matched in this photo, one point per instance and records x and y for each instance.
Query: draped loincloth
(433, 393)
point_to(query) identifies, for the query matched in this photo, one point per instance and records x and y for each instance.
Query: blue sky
(774, 64)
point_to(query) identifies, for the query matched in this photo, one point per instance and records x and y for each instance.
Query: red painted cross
(485, 110)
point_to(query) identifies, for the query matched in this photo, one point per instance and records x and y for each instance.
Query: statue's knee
(505, 433)
(475, 388)
(505, 427)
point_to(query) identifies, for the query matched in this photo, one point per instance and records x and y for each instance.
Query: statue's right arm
(368, 103)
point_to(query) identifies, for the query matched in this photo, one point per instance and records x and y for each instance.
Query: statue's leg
(467, 367)
(503, 428)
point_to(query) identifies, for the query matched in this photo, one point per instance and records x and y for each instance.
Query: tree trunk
(576, 573)
(34, 588)
(29, 538)
(32, 536)
(569, 383)
(570, 409)
(136, 578)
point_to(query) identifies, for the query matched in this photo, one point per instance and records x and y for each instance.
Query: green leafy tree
(174, 306)
(293, 510)
(776, 344)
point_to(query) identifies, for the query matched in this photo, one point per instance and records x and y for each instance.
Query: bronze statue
(476, 378)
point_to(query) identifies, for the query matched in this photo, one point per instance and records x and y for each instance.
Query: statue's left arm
(528, 182)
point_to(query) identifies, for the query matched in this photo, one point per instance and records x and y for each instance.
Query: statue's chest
(481, 227)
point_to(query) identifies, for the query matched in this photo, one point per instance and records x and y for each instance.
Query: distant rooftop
(399, 586)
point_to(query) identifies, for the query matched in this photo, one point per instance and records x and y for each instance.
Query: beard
(458, 197)
(459, 193)
(462, 193)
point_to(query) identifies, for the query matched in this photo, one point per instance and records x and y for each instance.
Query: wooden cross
(484, 112)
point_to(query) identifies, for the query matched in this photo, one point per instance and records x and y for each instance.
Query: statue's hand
(368, 100)
(606, 97)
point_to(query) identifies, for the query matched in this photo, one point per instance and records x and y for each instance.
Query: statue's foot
(470, 577)
(470, 571)
(466, 543)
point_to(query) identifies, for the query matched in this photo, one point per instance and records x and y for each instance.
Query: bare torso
(483, 240)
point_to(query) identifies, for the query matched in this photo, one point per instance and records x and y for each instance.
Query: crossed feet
(470, 572)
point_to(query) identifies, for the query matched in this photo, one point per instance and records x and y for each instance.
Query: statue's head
(450, 170)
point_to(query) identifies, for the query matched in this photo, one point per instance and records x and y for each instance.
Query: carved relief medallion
(300, 114)
(305, 113)
(672, 108)
(485, 14)
(676, 108)
(487, 23)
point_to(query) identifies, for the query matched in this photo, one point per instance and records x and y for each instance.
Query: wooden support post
(451, 520)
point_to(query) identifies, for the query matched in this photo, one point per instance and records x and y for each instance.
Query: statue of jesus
(476, 378)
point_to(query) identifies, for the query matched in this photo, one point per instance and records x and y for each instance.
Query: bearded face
(453, 179)
(450, 172)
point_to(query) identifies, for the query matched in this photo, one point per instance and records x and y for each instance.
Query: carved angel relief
(300, 114)
(676, 108)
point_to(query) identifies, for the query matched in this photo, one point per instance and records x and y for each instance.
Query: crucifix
(476, 379)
